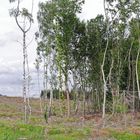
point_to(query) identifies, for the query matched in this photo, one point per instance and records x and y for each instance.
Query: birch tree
(22, 14)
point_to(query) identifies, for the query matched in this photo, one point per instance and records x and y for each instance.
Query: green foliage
(23, 14)
(120, 108)
(57, 21)
(78, 46)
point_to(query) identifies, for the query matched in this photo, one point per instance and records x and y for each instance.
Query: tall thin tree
(22, 13)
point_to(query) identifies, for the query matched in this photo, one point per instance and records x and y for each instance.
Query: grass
(58, 128)
(69, 133)
(21, 131)
(125, 136)
(7, 114)
(61, 137)
(32, 132)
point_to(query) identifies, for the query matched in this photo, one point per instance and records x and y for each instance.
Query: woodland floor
(117, 127)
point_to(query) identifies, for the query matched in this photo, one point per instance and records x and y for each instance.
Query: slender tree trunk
(124, 111)
(84, 103)
(133, 79)
(76, 102)
(102, 67)
(67, 89)
(104, 93)
(137, 60)
(68, 101)
(130, 70)
(38, 79)
(50, 104)
(110, 84)
(24, 78)
(60, 91)
(137, 76)
(28, 83)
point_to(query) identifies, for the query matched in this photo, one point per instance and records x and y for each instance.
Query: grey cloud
(10, 75)
(8, 38)
(11, 79)
(11, 90)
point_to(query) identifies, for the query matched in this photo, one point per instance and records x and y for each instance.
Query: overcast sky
(11, 50)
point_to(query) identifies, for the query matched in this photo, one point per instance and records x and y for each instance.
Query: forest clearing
(76, 127)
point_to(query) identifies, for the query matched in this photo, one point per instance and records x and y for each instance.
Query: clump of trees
(98, 57)
(96, 62)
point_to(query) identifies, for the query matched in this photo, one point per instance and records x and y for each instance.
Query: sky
(11, 49)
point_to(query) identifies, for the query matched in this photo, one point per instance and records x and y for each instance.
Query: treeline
(99, 56)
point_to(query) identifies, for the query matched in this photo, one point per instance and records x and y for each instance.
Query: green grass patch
(61, 137)
(21, 131)
(124, 135)
(68, 133)
(36, 120)
(71, 119)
